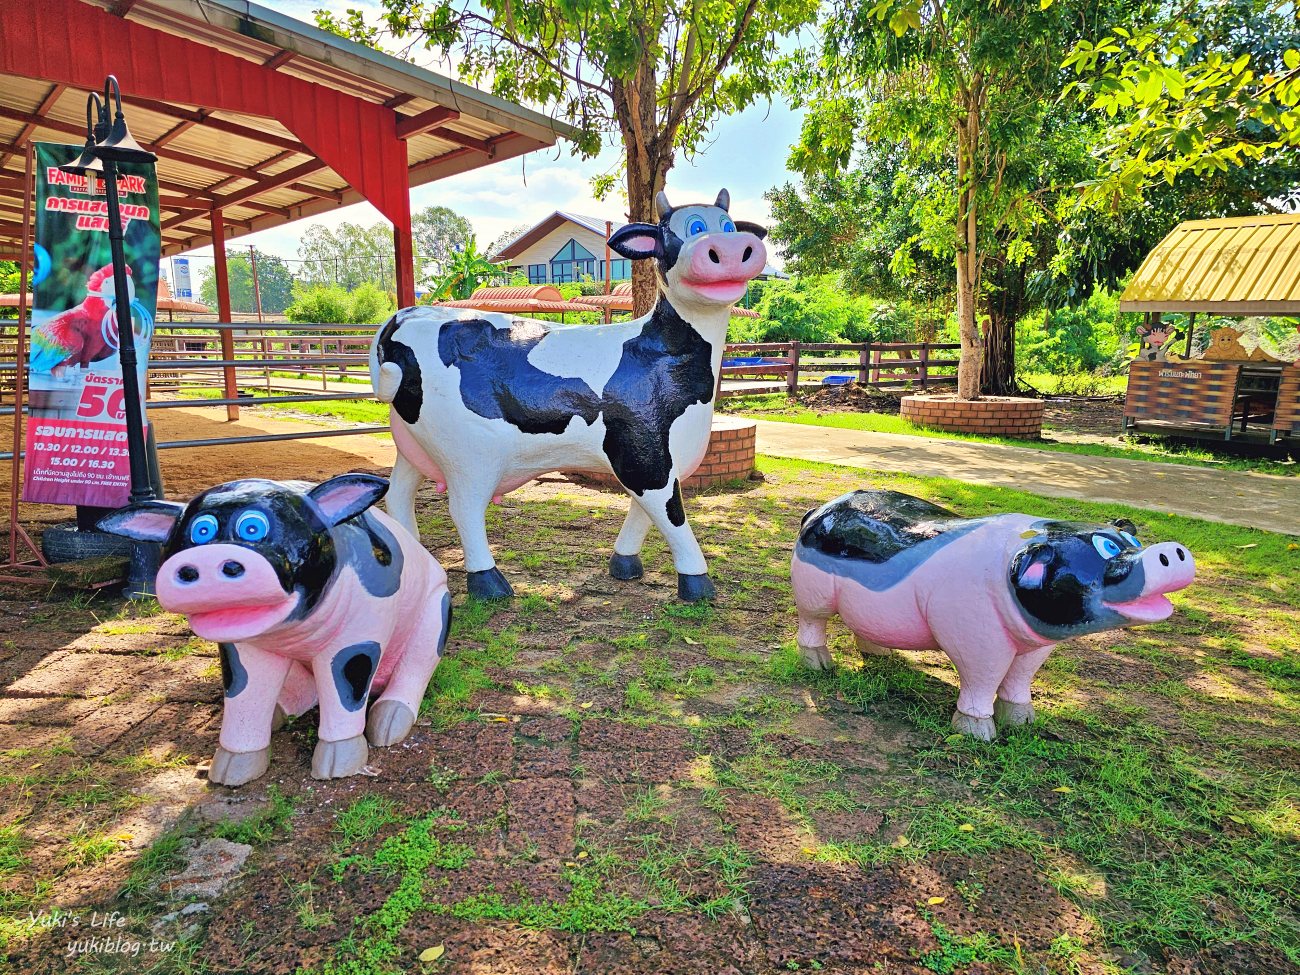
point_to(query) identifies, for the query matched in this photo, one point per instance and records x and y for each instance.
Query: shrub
(329, 304)
(1071, 340)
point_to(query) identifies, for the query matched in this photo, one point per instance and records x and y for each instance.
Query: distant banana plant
(467, 268)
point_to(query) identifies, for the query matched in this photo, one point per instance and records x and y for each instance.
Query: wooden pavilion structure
(1238, 266)
(257, 119)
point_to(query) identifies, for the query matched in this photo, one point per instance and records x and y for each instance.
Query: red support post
(404, 254)
(230, 387)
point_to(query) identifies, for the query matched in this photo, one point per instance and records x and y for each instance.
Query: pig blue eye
(1131, 539)
(696, 227)
(728, 227)
(252, 526)
(203, 529)
(1107, 548)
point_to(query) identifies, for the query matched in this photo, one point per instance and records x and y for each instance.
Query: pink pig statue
(995, 594)
(311, 596)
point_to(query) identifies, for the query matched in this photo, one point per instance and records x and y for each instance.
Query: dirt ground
(606, 781)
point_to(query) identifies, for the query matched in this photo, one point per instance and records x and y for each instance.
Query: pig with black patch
(312, 596)
(995, 594)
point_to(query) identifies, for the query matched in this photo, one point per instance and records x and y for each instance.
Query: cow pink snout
(720, 265)
(228, 592)
(1168, 567)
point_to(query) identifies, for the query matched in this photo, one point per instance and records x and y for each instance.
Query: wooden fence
(886, 365)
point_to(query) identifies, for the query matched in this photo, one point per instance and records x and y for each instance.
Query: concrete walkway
(1235, 497)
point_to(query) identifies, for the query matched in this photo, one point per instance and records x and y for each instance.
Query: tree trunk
(967, 260)
(998, 369)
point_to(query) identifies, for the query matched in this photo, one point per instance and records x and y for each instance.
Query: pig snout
(227, 591)
(720, 265)
(1167, 567)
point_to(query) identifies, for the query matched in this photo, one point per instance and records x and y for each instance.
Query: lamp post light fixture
(108, 143)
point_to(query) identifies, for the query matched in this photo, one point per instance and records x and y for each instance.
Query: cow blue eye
(1131, 539)
(728, 227)
(696, 227)
(203, 529)
(1107, 548)
(252, 526)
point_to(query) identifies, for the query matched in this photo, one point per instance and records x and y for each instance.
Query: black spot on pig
(234, 678)
(353, 668)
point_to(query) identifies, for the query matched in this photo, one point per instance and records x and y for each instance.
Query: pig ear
(637, 241)
(1124, 525)
(1030, 568)
(757, 229)
(723, 202)
(148, 521)
(347, 495)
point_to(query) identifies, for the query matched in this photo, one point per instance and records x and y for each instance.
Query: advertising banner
(181, 287)
(76, 437)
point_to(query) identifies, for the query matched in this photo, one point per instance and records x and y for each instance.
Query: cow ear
(347, 495)
(723, 202)
(637, 241)
(146, 521)
(757, 229)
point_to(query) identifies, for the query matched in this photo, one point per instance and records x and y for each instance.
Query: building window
(572, 262)
(620, 270)
(536, 273)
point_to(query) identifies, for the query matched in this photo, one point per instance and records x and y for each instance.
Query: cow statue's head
(704, 256)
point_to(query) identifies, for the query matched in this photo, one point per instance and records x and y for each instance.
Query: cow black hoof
(694, 589)
(625, 567)
(488, 584)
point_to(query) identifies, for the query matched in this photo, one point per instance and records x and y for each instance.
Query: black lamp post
(108, 143)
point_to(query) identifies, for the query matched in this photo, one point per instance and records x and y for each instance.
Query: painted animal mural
(312, 595)
(77, 336)
(995, 594)
(482, 403)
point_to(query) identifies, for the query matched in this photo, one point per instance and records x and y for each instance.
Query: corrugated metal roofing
(1230, 266)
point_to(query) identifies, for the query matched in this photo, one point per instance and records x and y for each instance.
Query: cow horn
(723, 202)
(662, 204)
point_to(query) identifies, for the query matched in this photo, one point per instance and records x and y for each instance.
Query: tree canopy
(652, 74)
(438, 232)
(274, 284)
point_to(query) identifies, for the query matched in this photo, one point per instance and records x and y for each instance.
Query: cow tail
(388, 379)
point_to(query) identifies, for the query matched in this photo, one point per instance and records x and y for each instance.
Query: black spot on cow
(676, 513)
(499, 383)
(664, 370)
(410, 394)
(234, 678)
(353, 668)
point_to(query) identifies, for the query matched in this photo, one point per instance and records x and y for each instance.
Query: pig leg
(467, 500)
(252, 679)
(869, 649)
(1014, 704)
(981, 670)
(812, 641)
(625, 563)
(400, 500)
(343, 683)
(298, 695)
(393, 715)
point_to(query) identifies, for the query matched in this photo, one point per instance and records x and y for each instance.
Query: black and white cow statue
(483, 403)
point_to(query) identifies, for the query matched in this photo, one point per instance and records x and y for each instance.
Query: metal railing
(271, 364)
(885, 365)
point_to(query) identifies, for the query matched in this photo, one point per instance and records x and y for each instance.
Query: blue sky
(746, 153)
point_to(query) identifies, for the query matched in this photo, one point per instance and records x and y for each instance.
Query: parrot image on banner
(79, 335)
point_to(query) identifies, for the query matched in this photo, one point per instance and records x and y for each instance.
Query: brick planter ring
(991, 416)
(730, 457)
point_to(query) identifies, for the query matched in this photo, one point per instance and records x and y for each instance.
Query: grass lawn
(778, 407)
(609, 781)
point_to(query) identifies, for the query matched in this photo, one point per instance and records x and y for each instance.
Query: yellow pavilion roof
(1230, 266)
